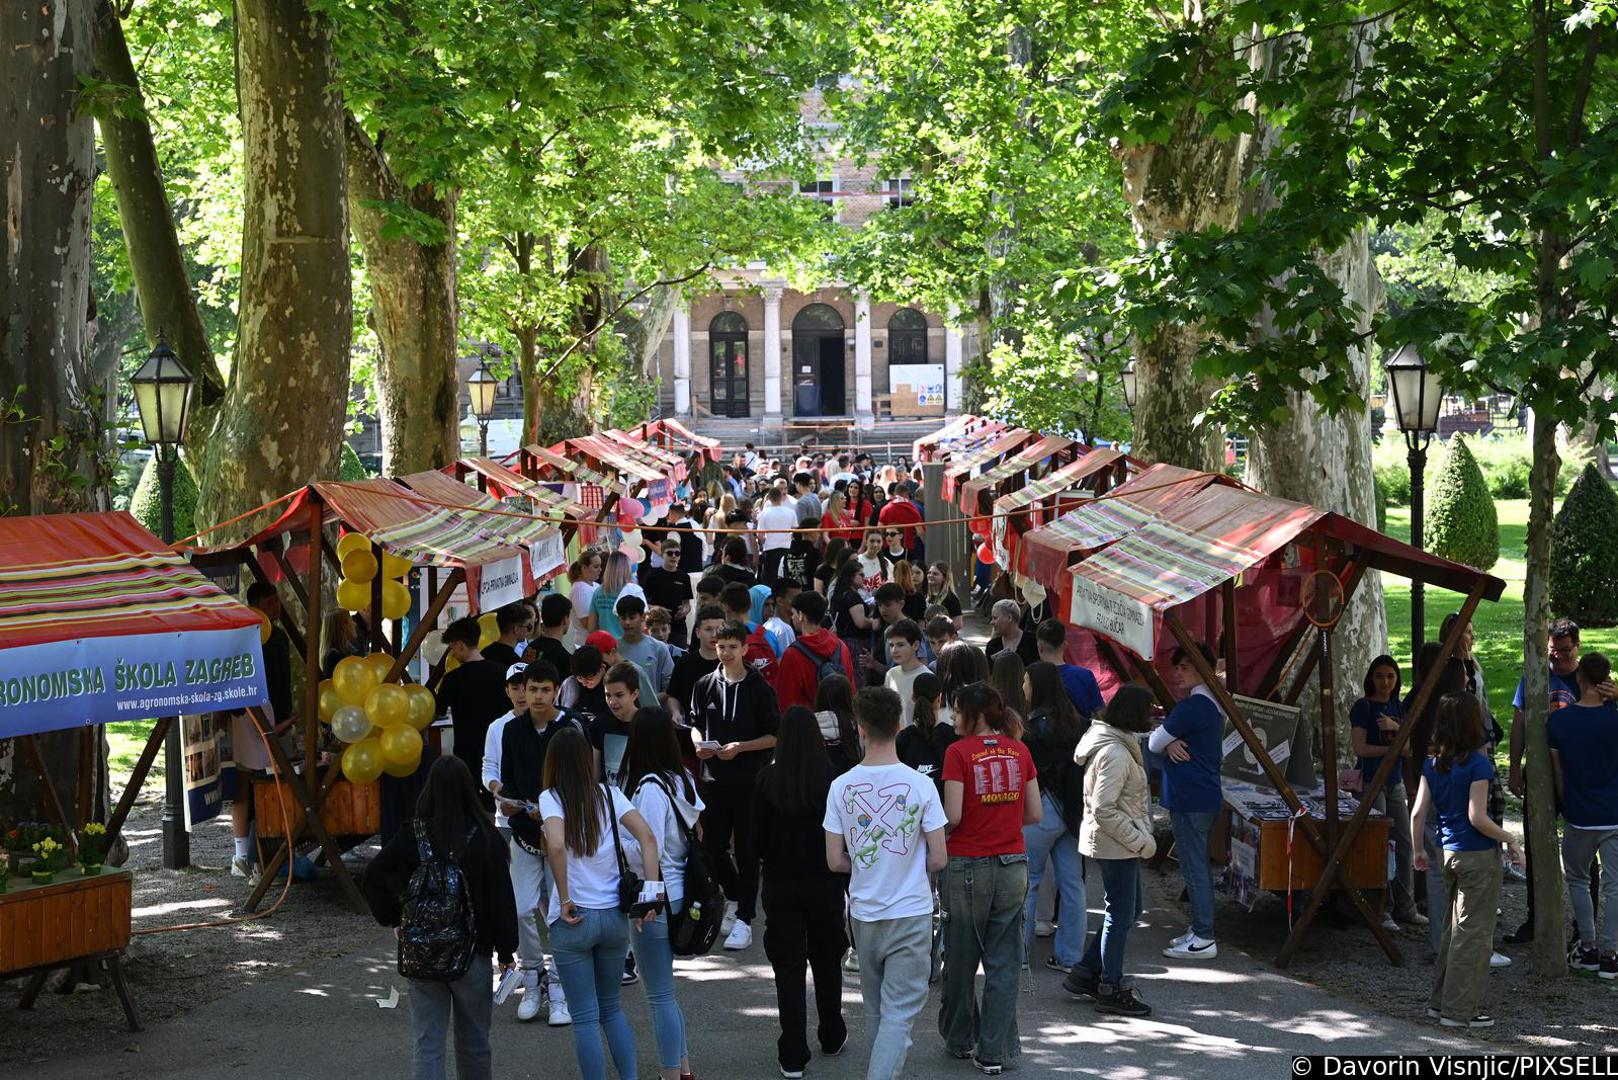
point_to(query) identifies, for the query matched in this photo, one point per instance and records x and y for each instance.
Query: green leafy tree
(1461, 521)
(1584, 553)
(351, 467)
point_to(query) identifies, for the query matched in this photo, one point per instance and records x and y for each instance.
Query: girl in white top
(589, 935)
(667, 798)
(586, 577)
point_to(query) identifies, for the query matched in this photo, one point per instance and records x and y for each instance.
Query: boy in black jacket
(734, 717)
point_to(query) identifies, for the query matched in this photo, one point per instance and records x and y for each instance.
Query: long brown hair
(448, 805)
(1457, 729)
(570, 772)
(978, 709)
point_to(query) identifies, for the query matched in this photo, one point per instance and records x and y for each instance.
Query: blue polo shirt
(1193, 786)
(1564, 691)
(1452, 793)
(1585, 738)
(1364, 715)
(1082, 689)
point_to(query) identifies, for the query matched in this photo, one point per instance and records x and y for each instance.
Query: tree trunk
(167, 304)
(1003, 292)
(282, 423)
(414, 311)
(51, 432)
(643, 334)
(1549, 955)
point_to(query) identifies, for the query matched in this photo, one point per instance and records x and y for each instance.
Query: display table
(1261, 857)
(74, 918)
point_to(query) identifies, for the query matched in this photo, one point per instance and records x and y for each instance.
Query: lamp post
(481, 387)
(163, 397)
(1417, 396)
(1128, 377)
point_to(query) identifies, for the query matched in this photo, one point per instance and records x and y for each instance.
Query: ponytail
(982, 709)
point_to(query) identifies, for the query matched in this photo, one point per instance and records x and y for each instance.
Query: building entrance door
(817, 362)
(727, 367)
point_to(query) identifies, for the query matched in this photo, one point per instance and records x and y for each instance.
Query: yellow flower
(95, 828)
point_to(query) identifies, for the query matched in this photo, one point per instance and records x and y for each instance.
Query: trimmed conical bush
(1461, 522)
(1584, 553)
(147, 505)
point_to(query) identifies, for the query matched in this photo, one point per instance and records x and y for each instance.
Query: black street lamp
(481, 388)
(1417, 396)
(1128, 377)
(163, 397)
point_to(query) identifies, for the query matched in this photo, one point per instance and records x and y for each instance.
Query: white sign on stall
(1123, 618)
(499, 583)
(547, 555)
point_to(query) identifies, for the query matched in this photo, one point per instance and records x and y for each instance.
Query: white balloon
(433, 648)
(350, 724)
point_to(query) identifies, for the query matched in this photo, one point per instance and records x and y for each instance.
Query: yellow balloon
(330, 700)
(393, 566)
(352, 542)
(388, 705)
(395, 600)
(401, 744)
(401, 771)
(381, 663)
(354, 679)
(451, 663)
(359, 566)
(362, 761)
(263, 628)
(353, 595)
(422, 706)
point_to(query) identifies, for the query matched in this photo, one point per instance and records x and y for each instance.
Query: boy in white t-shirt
(885, 826)
(904, 649)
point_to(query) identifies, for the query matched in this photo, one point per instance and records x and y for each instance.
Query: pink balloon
(634, 552)
(629, 511)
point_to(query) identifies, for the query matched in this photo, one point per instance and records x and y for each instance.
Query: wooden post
(292, 578)
(1300, 681)
(376, 640)
(1227, 596)
(1393, 758)
(84, 791)
(1328, 734)
(311, 648)
(126, 801)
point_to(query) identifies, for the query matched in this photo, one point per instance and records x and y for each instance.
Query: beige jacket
(1117, 818)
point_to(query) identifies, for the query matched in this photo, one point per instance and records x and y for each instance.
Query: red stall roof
(962, 464)
(508, 482)
(1023, 459)
(1006, 540)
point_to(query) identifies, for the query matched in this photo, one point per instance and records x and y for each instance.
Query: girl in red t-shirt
(990, 793)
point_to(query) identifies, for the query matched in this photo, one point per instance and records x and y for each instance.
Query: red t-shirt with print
(994, 772)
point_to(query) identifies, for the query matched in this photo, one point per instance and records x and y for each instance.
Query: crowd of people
(777, 702)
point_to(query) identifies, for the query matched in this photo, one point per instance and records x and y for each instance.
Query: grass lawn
(1497, 627)
(125, 740)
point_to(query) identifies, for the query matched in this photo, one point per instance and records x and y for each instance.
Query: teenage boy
(761, 655)
(1584, 754)
(514, 623)
(610, 735)
(523, 744)
(669, 586)
(803, 557)
(1190, 738)
(555, 613)
(904, 650)
(474, 693)
(582, 691)
(650, 655)
(517, 694)
(890, 611)
(774, 527)
(884, 826)
(1005, 619)
(1079, 682)
(659, 624)
(734, 718)
(808, 505)
(777, 611)
(940, 632)
(698, 661)
(799, 676)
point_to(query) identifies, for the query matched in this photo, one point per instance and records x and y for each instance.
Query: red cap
(602, 642)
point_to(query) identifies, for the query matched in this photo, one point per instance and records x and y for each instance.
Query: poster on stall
(200, 749)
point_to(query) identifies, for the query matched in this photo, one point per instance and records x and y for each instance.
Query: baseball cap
(514, 670)
(602, 642)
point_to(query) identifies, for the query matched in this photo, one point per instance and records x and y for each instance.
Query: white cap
(514, 670)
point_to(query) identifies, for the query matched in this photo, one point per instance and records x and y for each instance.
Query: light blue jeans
(655, 958)
(894, 961)
(470, 1000)
(1051, 840)
(1191, 829)
(590, 957)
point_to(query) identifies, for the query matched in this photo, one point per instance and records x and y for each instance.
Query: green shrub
(1461, 522)
(1381, 498)
(351, 468)
(147, 506)
(1584, 553)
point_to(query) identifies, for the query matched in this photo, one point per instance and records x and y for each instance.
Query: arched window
(818, 317)
(907, 337)
(727, 364)
(818, 362)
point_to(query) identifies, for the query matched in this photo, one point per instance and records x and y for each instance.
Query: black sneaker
(987, 1068)
(1481, 1020)
(1082, 984)
(1122, 1002)
(631, 976)
(1520, 936)
(1584, 958)
(1056, 965)
(1609, 966)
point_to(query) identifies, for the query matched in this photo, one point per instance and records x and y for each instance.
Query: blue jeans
(1051, 840)
(656, 961)
(983, 913)
(1104, 956)
(1191, 829)
(590, 957)
(470, 1000)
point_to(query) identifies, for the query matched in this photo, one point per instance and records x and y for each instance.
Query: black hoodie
(727, 712)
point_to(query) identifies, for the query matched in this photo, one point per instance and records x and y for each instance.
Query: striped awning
(508, 483)
(672, 463)
(616, 457)
(1022, 460)
(389, 515)
(540, 539)
(962, 464)
(570, 468)
(1068, 476)
(677, 432)
(964, 431)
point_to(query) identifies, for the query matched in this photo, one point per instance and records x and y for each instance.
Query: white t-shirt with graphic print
(884, 813)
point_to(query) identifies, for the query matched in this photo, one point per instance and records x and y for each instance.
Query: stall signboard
(1124, 619)
(81, 681)
(1278, 728)
(917, 389)
(201, 736)
(497, 583)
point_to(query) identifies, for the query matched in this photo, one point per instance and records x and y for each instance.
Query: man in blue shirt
(1190, 738)
(1584, 755)
(1079, 682)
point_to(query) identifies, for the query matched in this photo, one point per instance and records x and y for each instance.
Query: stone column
(954, 356)
(772, 353)
(862, 361)
(682, 360)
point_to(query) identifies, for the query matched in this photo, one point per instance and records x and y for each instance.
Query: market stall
(977, 492)
(673, 435)
(963, 432)
(1035, 502)
(964, 463)
(100, 621)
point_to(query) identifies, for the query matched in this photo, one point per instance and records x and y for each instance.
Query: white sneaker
(1044, 928)
(741, 936)
(1389, 925)
(1182, 938)
(851, 961)
(529, 1007)
(1499, 960)
(1194, 948)
(239, 867)
(728, 923)
(560, 1017)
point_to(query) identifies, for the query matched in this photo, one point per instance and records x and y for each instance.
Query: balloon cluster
(980, 527)
(381, 722)
(360, 569)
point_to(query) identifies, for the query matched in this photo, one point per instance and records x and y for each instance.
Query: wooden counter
(71, 918)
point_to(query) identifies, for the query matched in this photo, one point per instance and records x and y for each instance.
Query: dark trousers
(1529, 856)
(805, 925)
(727, 829)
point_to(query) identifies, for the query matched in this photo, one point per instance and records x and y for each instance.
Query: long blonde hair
(617, 574)
(949, 584)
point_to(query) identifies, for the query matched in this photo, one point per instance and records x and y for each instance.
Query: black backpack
(438, 928)
(694, 930)
(825, 666)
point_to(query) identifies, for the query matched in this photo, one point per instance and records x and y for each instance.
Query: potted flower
(48, 855)
(19, 844)
(92, 848)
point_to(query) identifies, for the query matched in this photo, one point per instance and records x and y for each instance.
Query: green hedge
(1461, 522)
(1505, 460)
(1584, 553)
(147, 506)
(351, 468)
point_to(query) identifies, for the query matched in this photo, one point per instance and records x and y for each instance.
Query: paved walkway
(1233, 1019)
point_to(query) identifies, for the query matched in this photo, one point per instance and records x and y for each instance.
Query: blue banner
(69, 684)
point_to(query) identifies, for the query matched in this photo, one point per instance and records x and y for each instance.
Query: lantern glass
(1417, 392)
(162, 396)
(481, 387)
(1129, 385)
